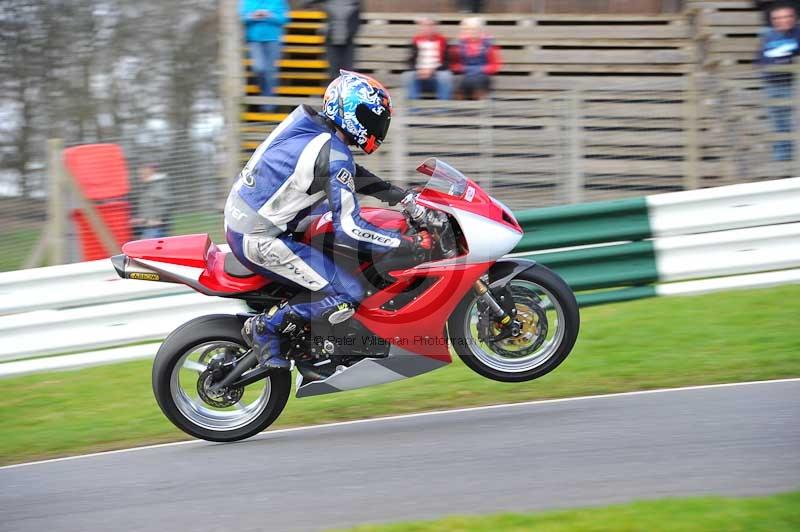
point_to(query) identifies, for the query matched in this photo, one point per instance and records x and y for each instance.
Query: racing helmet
(360, 106)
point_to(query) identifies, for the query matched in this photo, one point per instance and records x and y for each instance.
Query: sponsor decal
(144, 276)
(470, 194)
(324, 219)
(296, 271)
(247, 178)
(237, 213)
(346, 178)
(369, 235)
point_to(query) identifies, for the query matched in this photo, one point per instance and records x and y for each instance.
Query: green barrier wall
(620, 265)
(584, 223)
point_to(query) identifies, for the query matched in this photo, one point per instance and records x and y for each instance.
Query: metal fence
(174, 186)
(606, 142)
(531, 149)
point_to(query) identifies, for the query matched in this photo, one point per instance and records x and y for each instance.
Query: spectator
(264, 21)
(428, 63)
(476, 57)
(152, 218)
(344, 19)
(779, 45)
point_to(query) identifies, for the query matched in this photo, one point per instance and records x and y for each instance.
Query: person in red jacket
(428, 63)
(476, 57)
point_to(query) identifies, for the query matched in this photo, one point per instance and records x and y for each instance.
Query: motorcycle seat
(234, 268)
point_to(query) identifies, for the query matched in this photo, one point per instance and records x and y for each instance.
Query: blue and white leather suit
(291, 174)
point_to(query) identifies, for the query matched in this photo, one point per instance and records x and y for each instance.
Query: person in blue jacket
(263, 26)
(305, 161)
(780, 44)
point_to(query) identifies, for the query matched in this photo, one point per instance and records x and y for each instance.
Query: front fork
(509, 326)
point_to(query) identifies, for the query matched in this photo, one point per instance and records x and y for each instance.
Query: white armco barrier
(70, 285)
(721, 253)
(739, 236)
(44, 332)
(81, 307)
(724, 208)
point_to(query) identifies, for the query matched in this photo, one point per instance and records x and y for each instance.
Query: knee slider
(342, 312)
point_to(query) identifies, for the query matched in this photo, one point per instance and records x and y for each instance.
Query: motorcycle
(508, 319)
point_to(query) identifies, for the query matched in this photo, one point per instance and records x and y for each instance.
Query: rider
(305, 160)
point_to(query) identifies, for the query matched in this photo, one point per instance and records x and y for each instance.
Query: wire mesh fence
(595, 143)
(528, 149)
(155, 183)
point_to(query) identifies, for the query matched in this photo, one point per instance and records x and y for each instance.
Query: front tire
(179, 368)
(546, 303)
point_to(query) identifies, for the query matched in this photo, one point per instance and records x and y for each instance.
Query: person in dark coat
(344, 19)
(780, 44)
(153, 209)
(476, 58)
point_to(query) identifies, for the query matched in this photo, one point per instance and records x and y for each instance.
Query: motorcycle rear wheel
(549, 312)
(179, 367)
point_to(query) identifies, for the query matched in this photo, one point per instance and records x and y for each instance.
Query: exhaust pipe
(130, 269)
(120, 262)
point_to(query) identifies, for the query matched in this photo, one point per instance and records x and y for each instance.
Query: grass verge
(775, 513)
(665, 342)
(16, 246)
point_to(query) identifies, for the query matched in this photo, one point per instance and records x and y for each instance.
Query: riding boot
(264, 331)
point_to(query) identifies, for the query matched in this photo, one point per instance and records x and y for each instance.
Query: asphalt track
(729, 440)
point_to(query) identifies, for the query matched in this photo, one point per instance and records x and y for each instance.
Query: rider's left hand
(423, 240)
(419, 240)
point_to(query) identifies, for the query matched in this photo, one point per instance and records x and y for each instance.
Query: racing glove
(419, 244)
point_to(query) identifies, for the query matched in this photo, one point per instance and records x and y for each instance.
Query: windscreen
(443, 177)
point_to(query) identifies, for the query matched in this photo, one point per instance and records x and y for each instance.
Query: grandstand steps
(304, 39)
(302, 73)
(290, 90)
(634, 75)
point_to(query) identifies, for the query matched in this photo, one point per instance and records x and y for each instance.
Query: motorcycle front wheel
(549, 321)
(183, 375)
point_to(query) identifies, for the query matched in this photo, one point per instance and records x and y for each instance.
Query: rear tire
(483, 360)
(208, 330)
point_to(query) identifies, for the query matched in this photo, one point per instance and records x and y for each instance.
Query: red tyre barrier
(101, 175)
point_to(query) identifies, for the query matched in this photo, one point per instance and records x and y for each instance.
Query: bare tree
(89, 70)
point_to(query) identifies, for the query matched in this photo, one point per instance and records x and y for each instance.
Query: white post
(398, 136)
(794, 119)
(575, 182)
(230, 52)
(691, 103)
(56, 212)
(487, 145)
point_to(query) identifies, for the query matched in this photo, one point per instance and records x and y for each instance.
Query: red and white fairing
(417, 330)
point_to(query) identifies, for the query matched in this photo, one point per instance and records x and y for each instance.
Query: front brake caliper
(498, 306)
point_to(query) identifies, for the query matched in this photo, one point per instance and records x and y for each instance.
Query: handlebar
(435, 222)
(414, 210)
